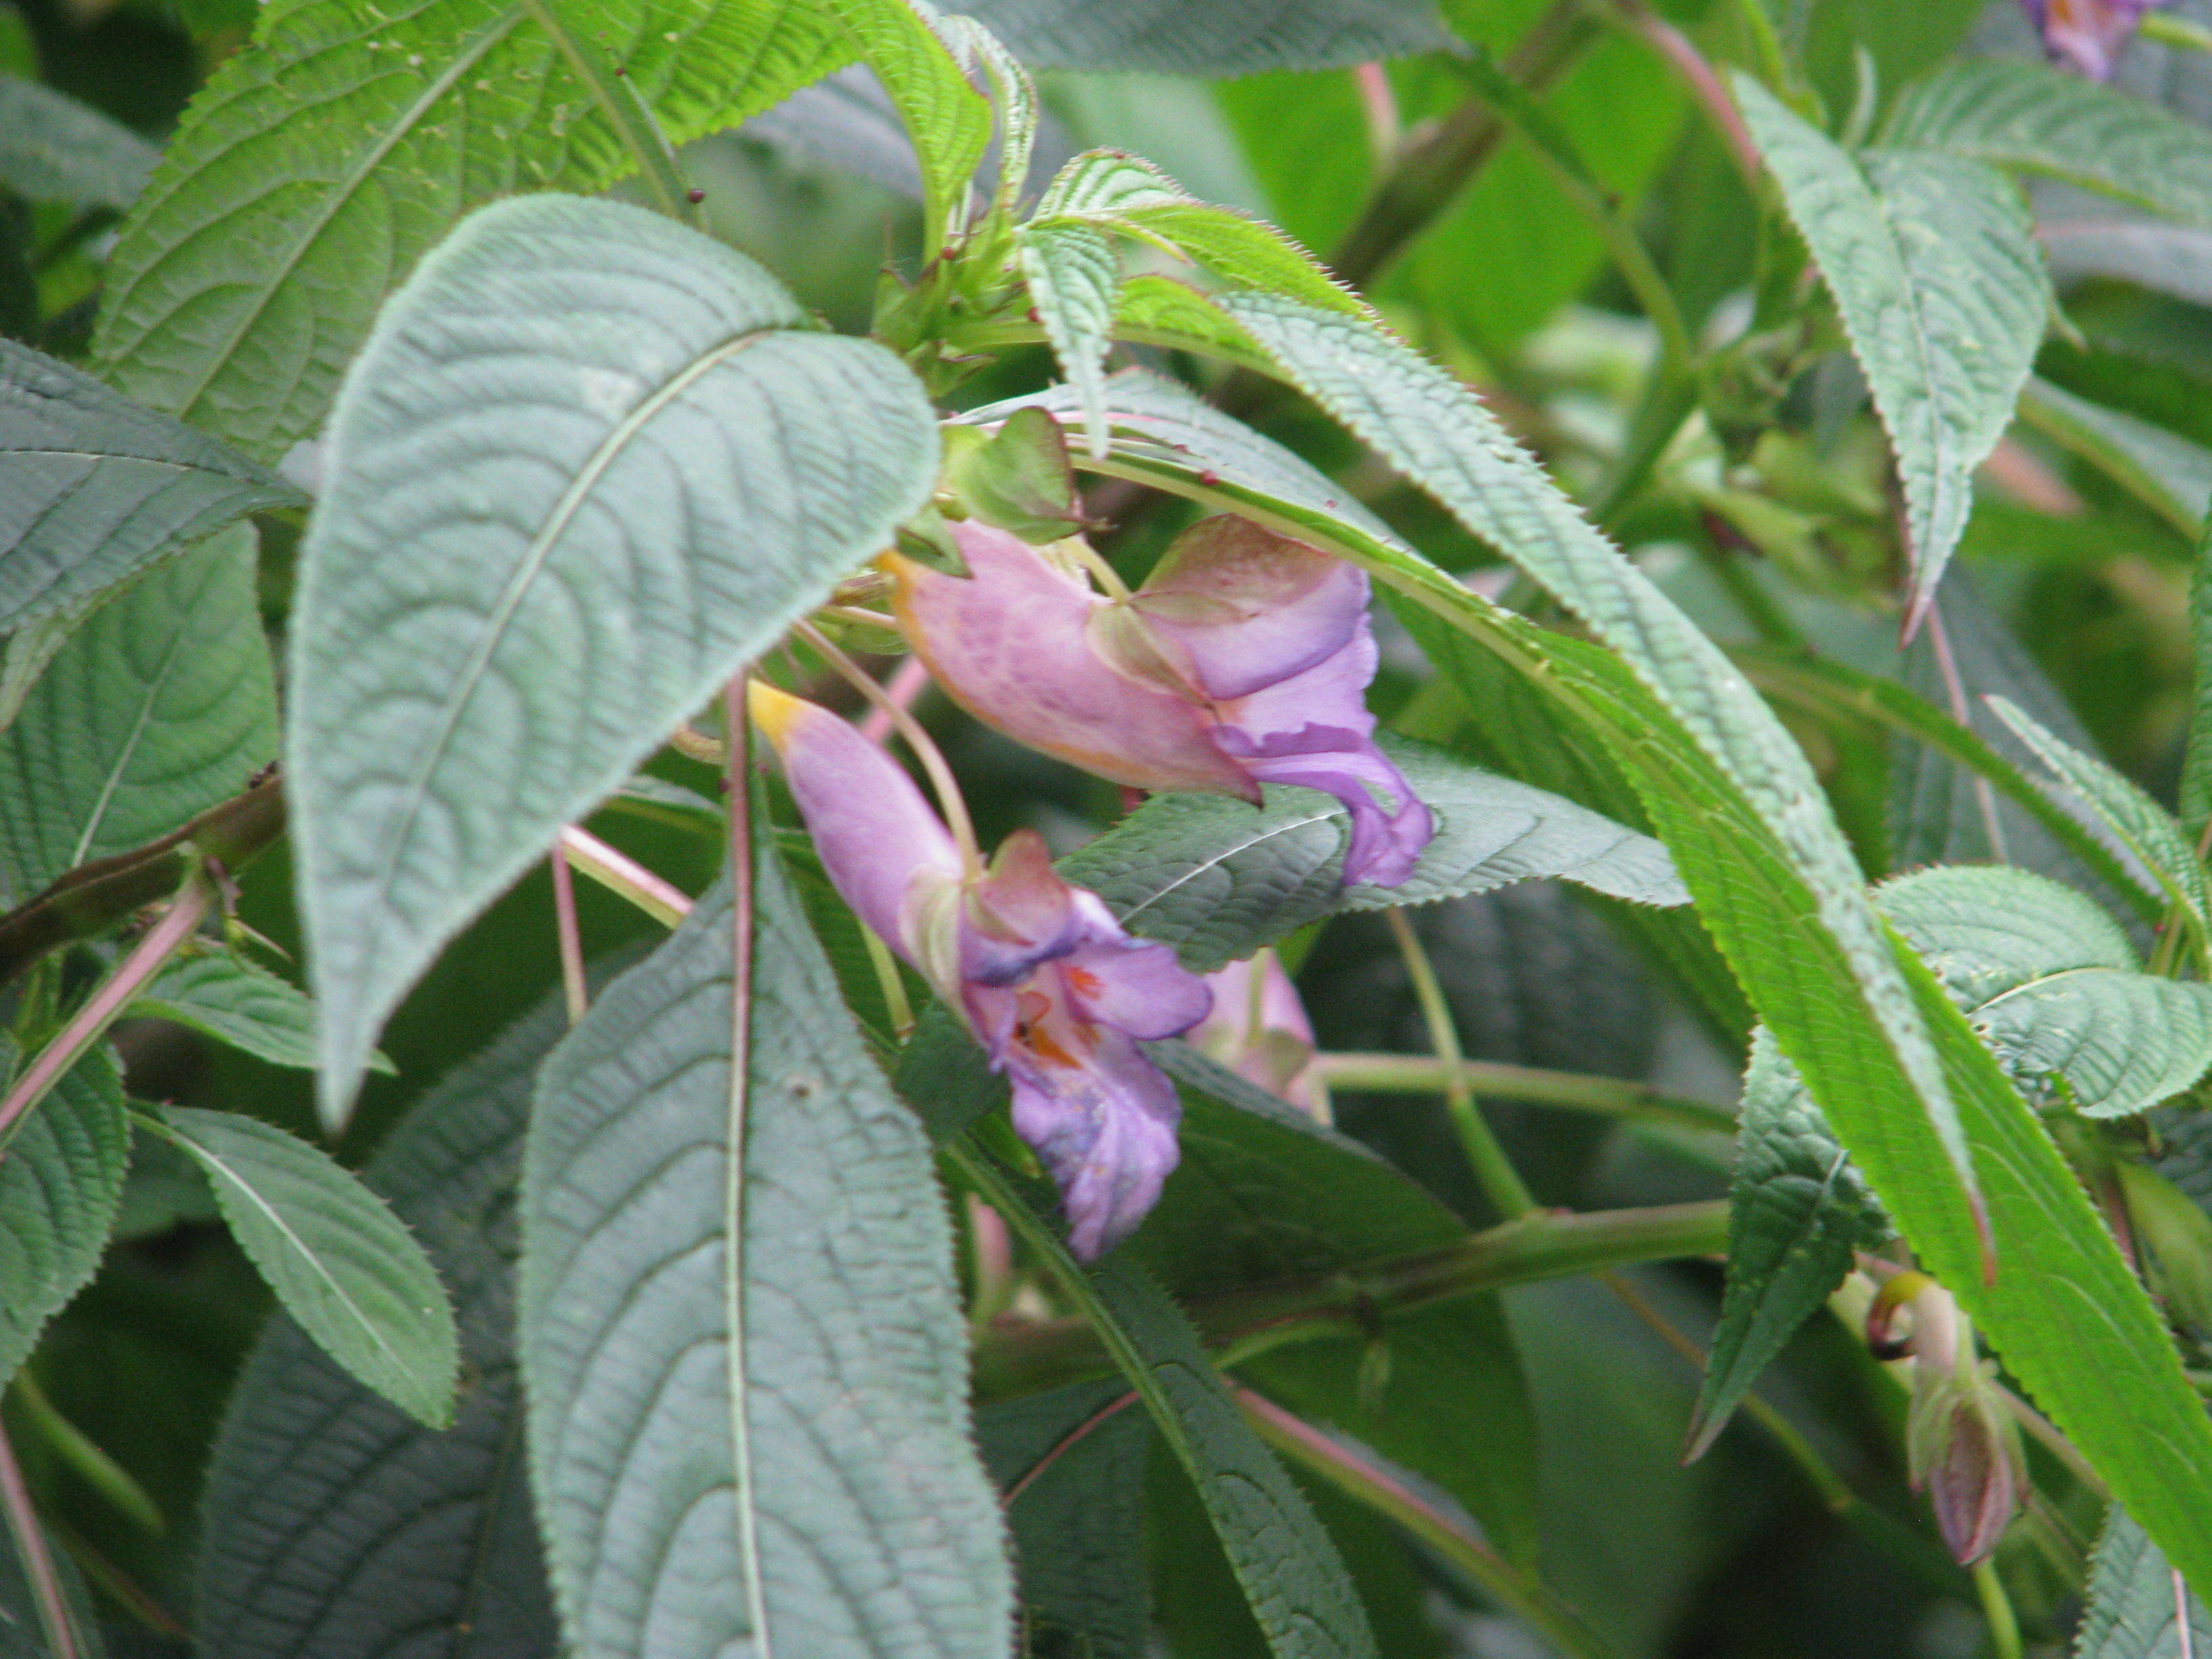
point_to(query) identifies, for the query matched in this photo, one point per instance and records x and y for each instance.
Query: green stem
(627, 113)
(1576, 1091)
(1996, 1608)
(1021, 1357)
(569, 938)
(2167, 29)
(72, 1445)
(624, 876)
(1501, 1183)
(1670, 398)
(1365, 1482)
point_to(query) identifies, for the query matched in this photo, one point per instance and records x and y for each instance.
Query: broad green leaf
(739, 1329)
(2136, 1600)
(61, 1184)
(1292, 1575)
(94, 487)
(2041, 121)
(160, 705)
(224, 996)
(1209, 37)
(54, 148)
(326, 157)
(2145, 828)
(1218, 877)
(1798, 1210)
(905, 43)
(341, 1264)
(335, 1523)
(2053, 987)
(589, 463)
(2162, 470)
(1078, 1525)
(1738, 807)
(1073, 274)
(1943, 294)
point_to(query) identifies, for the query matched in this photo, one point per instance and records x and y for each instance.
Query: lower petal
(1106, 1130)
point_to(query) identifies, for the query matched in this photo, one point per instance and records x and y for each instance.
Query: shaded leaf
(341, 1264)
(2162, 470)
(94, 487)
(702, 1484)
(224, 996)
(55, 148)
(589, 463)
(338, 1527)
(26, 1627)
(1942, 292)
(60, 1186)
(2136, 1600)
(1209, 37)
(160, 705)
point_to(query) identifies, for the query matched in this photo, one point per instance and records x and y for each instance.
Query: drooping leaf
(1079, 1521)
(2175, 259)
(160, 705)
(1209, 37)
(335, 1523)
(1218, 877)
(383, 132)
(1942, 292)
(341, 1264)
(2039, 120)
(699, 1264)
(1073, 274)
(224, 996)
(55, 148)
(2136, 1600)
(61, 1185)
(94, 487)
(2162, 470)
(1796, 1212)
(465, 681)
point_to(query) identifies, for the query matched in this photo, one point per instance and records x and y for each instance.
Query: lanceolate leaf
(2041, 121)
(335, 1523)
(160, 705)
(54, 148)
(1796, 1212)
(948, 120)
(228, 998)
(1941, 290)
(61, 1184)
(94, 487)
(2137, 1603)
(340, 1263)
(1218, 878)
(1209, 37)
(589, 463)
(746, 1365)
(2162, 470)
(1739, 808)
(1074, 273)
(382, 132)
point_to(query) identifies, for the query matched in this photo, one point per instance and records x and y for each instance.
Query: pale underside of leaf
(1073, 274)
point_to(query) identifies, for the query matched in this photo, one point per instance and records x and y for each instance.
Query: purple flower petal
(1134, 985)
(1259, 1030)
(1013, 646)
(1018, 914)
(1250, 608)
(2085, 35)
(881, 846)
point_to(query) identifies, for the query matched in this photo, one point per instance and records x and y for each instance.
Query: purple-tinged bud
(1961, 1445)
(2085, 35)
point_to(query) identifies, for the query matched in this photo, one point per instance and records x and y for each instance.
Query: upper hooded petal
(1017, 913)
(881, 846)
(1248, 608)
(1011, 644)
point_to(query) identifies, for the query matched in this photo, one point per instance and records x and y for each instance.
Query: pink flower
(1259, 1030)
(1051, 985)
(1244, 659)
(2085, 35)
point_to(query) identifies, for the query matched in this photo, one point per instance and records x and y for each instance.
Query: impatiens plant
(1498, 940)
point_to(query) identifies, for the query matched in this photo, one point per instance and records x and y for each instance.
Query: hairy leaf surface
(224, 996)
(61, 1185)
(2136, 1601)
(589, 463)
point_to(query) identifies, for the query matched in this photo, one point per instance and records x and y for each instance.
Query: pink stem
(98, 1013)
(1067, 1444)
(38, 1560)
(1699, 76)
(1378, 102)
(902, 688)
(571, 937)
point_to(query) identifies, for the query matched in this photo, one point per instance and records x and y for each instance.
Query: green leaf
(61, 1185)
(589, 463)
(26, 1621)
(162, 704)
(1740, 809)
(2162, 470)
(1934, 267)
(339, 1261)
(2053, 987)
(2038, 120)
(1078, 1525)
(2195, 790)
(948, 120)
(331, 1517)
(2136, 1600)
(96, 487)
(1798, 1209)
(224, 996)
(381, 131)
(1073, 274)
(54, 148)
(1291, 1573)
(698, 1263)
(1209, 37)
(1217, 878)
(2145, 828)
